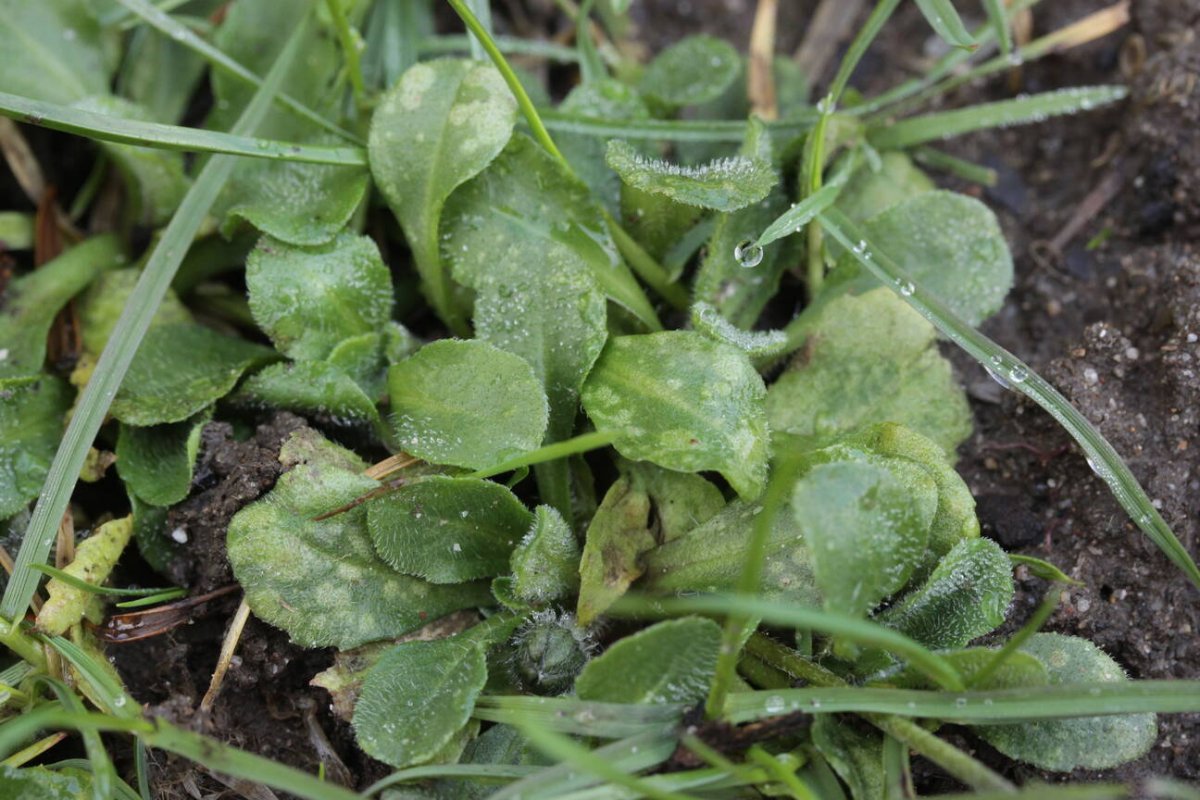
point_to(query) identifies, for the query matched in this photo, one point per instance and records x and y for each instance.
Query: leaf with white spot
(309, 299)
(95, 558)
(466, 403)
(617, 538)
(321, 580)
(417, 697)
(438, 127)
(448, 530)
(684, 402)
(669, 662)
(756, 344)
(1062, 745)
(55, 50)
(726, 184)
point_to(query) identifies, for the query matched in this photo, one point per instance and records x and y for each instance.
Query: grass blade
(1002, 114)
(80, 583)
(498, 772)
(943, 18)
(1063, 701)
(1103, 459)
(629, 755)
(131, 327)
(169, 137)
(579, 717)
(674, 130)
(182, 34)
(998, 18)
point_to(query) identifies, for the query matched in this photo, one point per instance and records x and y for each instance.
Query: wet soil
(1115, 327)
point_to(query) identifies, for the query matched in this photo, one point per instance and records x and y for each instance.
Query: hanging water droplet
(996, 377)
(774, 705)
(1018, 373)
(748, 254)
(906, 288)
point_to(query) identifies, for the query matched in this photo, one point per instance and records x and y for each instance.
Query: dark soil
(1115, 327)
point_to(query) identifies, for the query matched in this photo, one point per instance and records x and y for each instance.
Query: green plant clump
(683, 554)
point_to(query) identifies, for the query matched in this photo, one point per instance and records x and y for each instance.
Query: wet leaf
(438, 127)
(466, 403)
(159, 74)
(684, 402)
(316, 388)
(855, 753)
(417, 697)
(1019, 670)
(55, 50)
(42, 783)
(606, 99)
(155, 181)
(1067, 744)
(967, 596)
(870, 192)
(309, 299)
(156, 462)
(951, 245)
(617, 538)
(868, 358)
(31, 425)
(655, 220)
(669, 662)
(545, 565)
(756, 344)
(321, 581)
(180, 370)
(31, 302)
(709, 557)
(101, 305)
(694, 70)
(726, 184)
(866, 525)
(94, 559)
(448, 530)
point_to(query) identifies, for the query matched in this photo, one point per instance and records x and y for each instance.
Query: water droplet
(961, 702)
(1018, 373)
(996, 377)
(748, 254)
(775, 704)
(905, 288)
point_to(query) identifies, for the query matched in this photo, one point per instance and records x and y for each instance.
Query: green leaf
(156, 462)
(159, 74)
(55, 50)
(966, 597)
(855, 753)
(951, 245)
(605, 98)
(681, 500)
(32, 301)
(545, 565)
(943, 18)
(417, 697)
(870, 192)
(101, 305)
(725, 185)
(1018, 671)
(95, 558)
(309, 387)
(869, 358)
(466, 403)
(438, 127)
(694, 70)
(756, 344)
(1067, 744)
(155, 182)
(709, 557)
(321, 581)
(669, 662)
(656, 221)
(448, 530)
(301, 204)
(617, 538)
(866, 525)
(180, 370)
(42, 783)
(31, 425)
(684, 402)
(309, 299)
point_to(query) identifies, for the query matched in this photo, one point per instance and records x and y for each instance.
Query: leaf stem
(349, 43)
(649, 270)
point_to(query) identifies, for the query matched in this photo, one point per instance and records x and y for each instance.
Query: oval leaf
(466, 403)
(669, 662)
(156, 462)
(309, 387)
(448, 530)
(417, 697)
(694, 70)
(684, 402)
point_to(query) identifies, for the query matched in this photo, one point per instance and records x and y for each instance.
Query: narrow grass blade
(628, 755)
(1002, 706)
(104, 774)
(105, 688)
(1101, 456)
(1018, 111)
(123, 342)
(856, 630)
(862, 40)
(998, 18)
(509, 45)
(674, 130)
(800, 214)
(937, 159)
(580, 717)
(169, 137)
(182, 34)
(471, 772)
(80, 583)
(943, 18)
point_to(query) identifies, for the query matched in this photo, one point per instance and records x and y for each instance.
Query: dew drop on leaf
(748, 254)
(1018, 374)
(774, 705)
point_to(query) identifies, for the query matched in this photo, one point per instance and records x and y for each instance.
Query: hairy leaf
(756, 344)
(101, 305)
(448, 530)
(617, 538)
(43, 783)
(724, 185)
(545, 565)
(156, 462)
(684, 402)
(466, 403)
(606, 99)
(31, 425)
(856, 755)
(669, 662)
(95, 558)
(681, 500)
(317, 388)
(694, 70)
(55, 50)
(870, 192)
(321, 581)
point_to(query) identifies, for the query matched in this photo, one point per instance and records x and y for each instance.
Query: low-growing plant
(679, 552)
